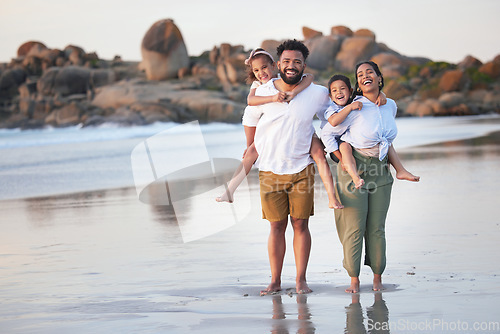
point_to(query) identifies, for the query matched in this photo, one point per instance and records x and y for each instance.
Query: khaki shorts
(289, 194)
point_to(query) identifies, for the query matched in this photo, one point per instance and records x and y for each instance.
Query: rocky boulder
(26, 47)
(270, 45)
(469, 62)
(310, 33)
(10, 80)
(491, 68)
(342, 31)
(75, 55)
(322, 51)
(353, 50)
(67, 115)
(65, 81)
(395, 90)
(428, 107)
(452, 80)
(364, 33)
(391, 65)
(163, 51)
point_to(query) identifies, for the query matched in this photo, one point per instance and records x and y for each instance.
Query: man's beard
(291, 81)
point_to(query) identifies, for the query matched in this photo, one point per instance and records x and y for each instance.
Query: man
(283, 140)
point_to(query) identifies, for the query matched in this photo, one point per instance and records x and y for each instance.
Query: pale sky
(446, 30)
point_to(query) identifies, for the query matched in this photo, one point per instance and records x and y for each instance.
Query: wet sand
(104, 262)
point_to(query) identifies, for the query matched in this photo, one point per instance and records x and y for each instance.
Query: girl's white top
(365, 128)
(255, 84)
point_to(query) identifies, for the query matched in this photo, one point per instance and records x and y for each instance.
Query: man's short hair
(293, 45)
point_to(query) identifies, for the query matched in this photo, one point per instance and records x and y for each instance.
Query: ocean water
(56, 161)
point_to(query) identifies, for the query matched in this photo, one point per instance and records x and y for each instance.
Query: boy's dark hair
(341, 78)
(293, 45)
(357, 91)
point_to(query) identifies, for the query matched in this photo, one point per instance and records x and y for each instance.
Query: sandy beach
(103, 261)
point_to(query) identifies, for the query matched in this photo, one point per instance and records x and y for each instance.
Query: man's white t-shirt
(284, 132)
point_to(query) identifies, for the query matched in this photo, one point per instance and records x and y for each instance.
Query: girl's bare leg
(243, 169)
(350, 164)
(318, 154)
(401, 172)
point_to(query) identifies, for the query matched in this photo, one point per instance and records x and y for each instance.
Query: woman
(370, 131)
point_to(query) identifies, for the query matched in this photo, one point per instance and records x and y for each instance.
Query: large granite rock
(163, 51)
(26, 47)
(353, 50)
(322, 51)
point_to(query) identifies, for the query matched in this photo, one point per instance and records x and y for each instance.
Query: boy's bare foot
(377, 283)
(272, 289)
(354, 288)
(406, 175)
(302, 288)
(335, 204)
(225, 197)
(358, 182)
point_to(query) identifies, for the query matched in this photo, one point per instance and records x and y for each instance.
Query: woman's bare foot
(335, 204)
(377, 283)
(225, 197)
(354, 288)
(302, 288)
(271, 289)
(406, 175)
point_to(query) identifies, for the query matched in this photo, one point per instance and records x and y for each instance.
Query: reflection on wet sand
(377, 314)
(280, 325)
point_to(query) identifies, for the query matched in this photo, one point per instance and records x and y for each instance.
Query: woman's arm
(340, 116)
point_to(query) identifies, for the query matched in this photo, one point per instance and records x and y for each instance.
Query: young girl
(262, 68)
(340, 92)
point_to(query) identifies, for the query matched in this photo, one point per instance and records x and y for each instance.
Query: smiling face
(340, 92)
(367, 79)
(263, 68)
(291, 66)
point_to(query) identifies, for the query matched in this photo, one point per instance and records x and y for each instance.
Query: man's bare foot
(302, 288)
(225, 197)
(354, 288)
(272, 289)
(335, 204)
(406, 175)
(377, 283)
(358, 182)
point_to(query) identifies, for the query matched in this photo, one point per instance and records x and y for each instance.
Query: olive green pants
(364, 214)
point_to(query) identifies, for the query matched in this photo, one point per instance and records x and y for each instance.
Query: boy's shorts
(289, 194)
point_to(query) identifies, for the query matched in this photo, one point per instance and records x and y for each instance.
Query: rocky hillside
(43, 86)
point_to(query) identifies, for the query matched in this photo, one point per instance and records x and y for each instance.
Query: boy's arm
(381, 99)
(340, 116)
